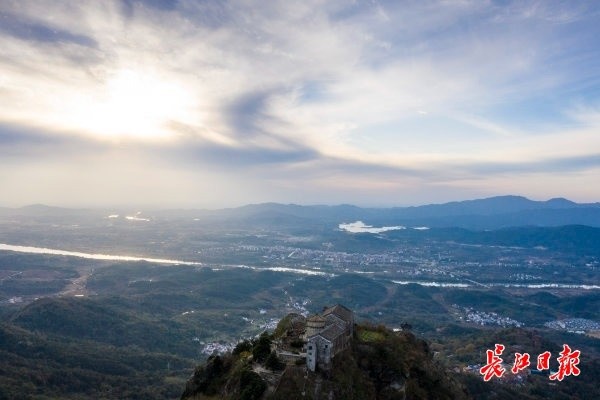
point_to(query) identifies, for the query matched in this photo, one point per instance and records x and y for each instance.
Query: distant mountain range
(490, 213)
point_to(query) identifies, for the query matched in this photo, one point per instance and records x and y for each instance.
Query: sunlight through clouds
(131, 104)
(398, 97)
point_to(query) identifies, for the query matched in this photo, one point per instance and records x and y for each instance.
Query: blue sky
(222, 103)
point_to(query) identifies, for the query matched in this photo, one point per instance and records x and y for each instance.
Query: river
(43, 250)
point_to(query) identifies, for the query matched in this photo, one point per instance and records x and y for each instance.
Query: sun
(133, 104)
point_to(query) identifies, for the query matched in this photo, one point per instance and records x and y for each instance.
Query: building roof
(316, 318)
(332, 332)
(339, 311)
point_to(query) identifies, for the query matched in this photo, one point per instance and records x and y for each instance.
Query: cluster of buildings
(318, 338)
(491, 318)
(326, 335)
(214, 347)
(574, 325)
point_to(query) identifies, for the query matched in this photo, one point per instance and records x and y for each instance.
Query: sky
(211, 104)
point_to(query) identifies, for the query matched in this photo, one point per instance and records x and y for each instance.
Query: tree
(251, 385)
(262, 348)
(273, 363)
(242, 346)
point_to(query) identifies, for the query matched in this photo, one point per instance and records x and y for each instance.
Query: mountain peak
(561, 202)
(407, 360)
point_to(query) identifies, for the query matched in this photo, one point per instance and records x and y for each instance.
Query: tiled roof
(316, 318)
(331, 332)
(340, 311)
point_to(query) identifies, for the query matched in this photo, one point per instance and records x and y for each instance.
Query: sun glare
(133, 104)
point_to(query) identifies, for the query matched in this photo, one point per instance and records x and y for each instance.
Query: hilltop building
(327, 334)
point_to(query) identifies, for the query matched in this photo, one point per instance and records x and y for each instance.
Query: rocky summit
(378, 363)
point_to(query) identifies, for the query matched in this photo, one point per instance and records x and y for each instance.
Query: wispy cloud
(294, 98)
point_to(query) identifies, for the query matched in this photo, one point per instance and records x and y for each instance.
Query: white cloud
(364, 83)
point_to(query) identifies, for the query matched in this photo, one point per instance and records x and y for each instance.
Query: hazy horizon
(150, 208)
(209, 104)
